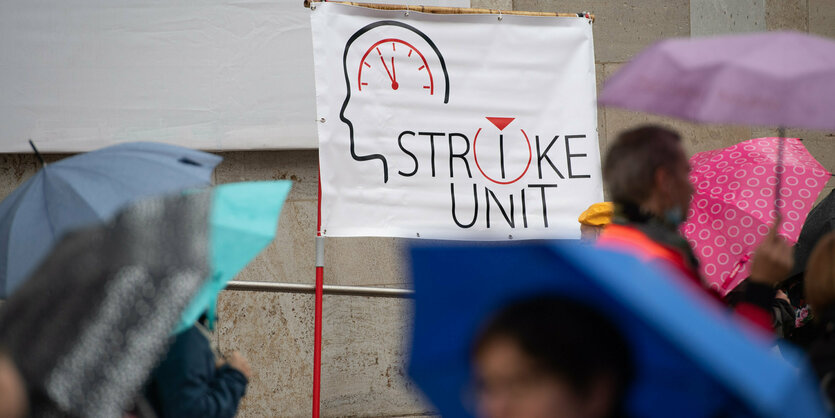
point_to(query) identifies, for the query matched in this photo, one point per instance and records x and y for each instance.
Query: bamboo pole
(454, 10)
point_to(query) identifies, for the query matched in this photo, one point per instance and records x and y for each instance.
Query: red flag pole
(320, 279)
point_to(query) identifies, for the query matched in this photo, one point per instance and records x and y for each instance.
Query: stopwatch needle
(394, 84)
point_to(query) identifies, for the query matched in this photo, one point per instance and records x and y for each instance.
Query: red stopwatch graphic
(392, 56)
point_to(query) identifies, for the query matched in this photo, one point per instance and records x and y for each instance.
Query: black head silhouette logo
(395, 58)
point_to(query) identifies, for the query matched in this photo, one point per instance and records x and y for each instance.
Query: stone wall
(365, 339)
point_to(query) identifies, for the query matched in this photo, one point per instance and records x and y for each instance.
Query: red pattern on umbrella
(733, 204)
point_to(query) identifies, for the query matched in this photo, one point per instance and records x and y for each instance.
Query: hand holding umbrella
(773, 259)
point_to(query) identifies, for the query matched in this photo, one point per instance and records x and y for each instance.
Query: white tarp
(76, 75)
(454, 126)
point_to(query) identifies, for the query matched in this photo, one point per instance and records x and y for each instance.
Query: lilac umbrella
(784, 79)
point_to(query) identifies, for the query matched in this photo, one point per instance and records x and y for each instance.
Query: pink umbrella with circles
(734, 203)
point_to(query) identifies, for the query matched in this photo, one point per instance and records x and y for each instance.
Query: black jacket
(187, 383)
(822, 351)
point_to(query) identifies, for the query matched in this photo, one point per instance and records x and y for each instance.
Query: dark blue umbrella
(86, 189)
(692, 358)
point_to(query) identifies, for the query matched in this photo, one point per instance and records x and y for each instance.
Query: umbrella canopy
(86, 189)
(242, 223)
(734, 199)
(770, 78)
(692, 359)
(87, 327)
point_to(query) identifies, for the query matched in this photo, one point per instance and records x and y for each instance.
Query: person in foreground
(647, 175)
(192, 382)
(551, 357)
(13, 397)
(820, 293)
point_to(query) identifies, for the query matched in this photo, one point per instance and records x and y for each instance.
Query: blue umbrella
(692, 358)
(243, 220)
(85, 189)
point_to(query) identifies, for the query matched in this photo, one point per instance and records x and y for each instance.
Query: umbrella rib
(46, 206)
(77, 193)
(19, 199)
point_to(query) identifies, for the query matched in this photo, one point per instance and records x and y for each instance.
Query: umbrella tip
(37, 154)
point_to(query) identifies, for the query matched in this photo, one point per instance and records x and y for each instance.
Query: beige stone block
(492, 4)
(696, 137)
(828, 189)
(15, 169)
(302, 167)
(822, 17)
(275, 333)
(365, 262)
(599, 72)
(363, 361)
(715, 17)
(364, 358)
(787, 14)
(291, 257)
(622, 28)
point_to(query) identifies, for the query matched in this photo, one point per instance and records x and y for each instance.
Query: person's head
(13, 399)
(820, 273)
(550, 357)
(646, 167)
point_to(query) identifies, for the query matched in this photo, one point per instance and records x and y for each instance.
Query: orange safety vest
(632, 241)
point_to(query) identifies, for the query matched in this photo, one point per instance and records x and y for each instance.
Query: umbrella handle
(737, 267)
(779, 169)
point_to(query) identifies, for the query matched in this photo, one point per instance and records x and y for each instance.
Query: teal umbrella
(243, 220)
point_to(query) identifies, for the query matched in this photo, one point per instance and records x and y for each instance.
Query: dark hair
(566, 339)
(632, 160)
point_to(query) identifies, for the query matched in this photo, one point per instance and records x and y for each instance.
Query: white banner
(454, 126)
(212, 74)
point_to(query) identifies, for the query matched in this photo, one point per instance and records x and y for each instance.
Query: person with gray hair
(646, 173)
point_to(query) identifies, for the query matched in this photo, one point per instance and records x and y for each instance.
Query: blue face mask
(674, 216)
